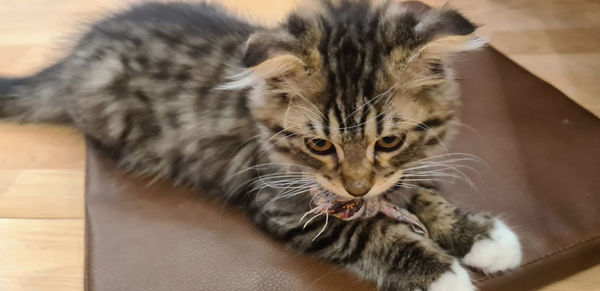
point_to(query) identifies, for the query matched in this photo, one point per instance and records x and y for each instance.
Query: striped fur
(191, 93)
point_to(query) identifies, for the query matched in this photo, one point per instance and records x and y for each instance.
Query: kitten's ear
(442, 30)
(286, 39)
(264, 45)
(268, 55)
(438, 22)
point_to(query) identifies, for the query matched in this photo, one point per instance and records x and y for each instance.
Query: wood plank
(41, 254)
(40, 147)
(41, 172)
(42, 193)
(588, 280)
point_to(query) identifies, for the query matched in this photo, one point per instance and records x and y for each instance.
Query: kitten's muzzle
(357, 175)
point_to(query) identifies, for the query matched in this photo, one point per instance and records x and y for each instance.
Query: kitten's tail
(35, 99)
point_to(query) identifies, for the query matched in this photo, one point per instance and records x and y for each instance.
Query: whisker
(432, 175)
(267, 165)
(311, 219)
(412, 186)
(427, 180)
(461, 155)
(324, 226)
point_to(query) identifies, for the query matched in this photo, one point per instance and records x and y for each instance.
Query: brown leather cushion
(542, 175)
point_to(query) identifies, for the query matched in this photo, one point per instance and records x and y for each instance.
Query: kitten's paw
(457, 279)
(501, 251)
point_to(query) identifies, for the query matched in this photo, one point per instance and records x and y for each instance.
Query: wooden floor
(557, 40)
(42, 167)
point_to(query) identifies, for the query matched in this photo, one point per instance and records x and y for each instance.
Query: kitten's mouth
(348, 208)
(329, 204)
(341, 207)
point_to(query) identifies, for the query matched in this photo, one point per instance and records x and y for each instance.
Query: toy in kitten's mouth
(329, 204)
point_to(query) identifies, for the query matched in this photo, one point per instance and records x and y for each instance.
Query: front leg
(377, 249)
(480, 240)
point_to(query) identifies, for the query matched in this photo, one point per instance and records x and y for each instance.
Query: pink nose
(358, 188)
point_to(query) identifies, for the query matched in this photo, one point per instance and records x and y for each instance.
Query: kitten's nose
(358, 188)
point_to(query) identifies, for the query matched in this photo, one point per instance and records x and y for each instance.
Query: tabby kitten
(350, 97)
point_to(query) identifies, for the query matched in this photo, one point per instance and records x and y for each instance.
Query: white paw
(457, 279)
(501, 251)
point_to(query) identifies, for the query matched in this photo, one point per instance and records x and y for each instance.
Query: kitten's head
(354, 91)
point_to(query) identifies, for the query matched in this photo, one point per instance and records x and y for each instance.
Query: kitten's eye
(390, 143)
(319, 146)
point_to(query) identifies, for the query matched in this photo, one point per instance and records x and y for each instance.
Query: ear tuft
(284, 66)
(446, 46)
